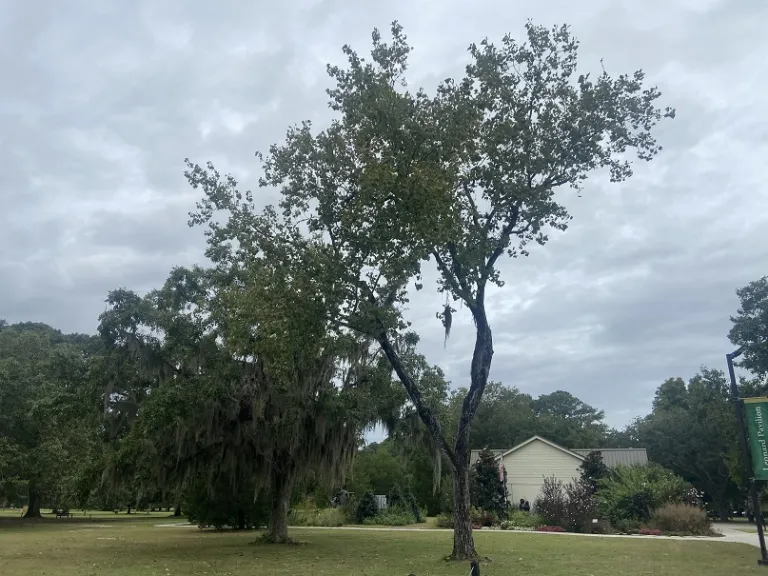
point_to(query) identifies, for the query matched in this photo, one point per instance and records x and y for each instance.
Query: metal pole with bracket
(739, 406)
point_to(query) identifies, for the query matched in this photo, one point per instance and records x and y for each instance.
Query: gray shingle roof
(618, 456)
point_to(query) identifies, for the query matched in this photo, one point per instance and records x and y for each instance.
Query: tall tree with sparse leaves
(460, 177)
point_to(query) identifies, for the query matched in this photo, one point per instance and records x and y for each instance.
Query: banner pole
(756, 510)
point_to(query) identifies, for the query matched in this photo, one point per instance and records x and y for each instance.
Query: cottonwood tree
(460, 177)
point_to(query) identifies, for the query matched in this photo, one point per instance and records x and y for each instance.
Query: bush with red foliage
(650, 532)
(550, 529)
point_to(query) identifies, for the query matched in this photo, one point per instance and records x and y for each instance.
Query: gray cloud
(99, 106)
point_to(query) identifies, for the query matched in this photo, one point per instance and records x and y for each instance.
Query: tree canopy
(750, 326)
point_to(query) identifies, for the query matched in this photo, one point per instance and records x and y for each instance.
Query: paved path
(730, 534)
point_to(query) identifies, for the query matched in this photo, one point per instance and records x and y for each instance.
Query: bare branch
(451, 279)
(425, 413)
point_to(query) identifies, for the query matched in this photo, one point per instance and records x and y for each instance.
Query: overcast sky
(100, 102)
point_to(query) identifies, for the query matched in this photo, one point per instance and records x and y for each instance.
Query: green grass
(131, 548)
(94, 514)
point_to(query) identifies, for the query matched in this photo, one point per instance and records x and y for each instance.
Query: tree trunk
(463, 541)
(33, 509)
(177, 510)
(277, 530)
(129, 509)
(724, 510)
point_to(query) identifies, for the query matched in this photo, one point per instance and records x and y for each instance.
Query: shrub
(444, 521)
(350, 509)
(550, 503)
(508, 525)
(418, 516)
(482, 517)
(650, 532)
(580, 506)
(550, 529)
(520, 519)
(631, 493)
(391, 518)
(682, 519)
(366, 508)
(332, 517)
(626, 526)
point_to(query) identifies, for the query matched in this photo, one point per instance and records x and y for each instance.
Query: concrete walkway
(730, 534)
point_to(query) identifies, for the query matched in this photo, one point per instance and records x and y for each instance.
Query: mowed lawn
(139, 548)
(91, 514)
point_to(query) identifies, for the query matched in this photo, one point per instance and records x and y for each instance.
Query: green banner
(756, 413)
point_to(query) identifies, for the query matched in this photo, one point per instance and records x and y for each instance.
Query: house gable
(545, 441)
(528, 463)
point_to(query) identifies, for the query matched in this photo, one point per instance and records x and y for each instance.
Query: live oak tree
(459, 177)
(249, 389)
(49, 416)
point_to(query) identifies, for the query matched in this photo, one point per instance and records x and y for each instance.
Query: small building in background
(528, 463)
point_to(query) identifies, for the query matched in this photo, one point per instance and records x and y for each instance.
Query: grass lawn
(95, 514)
(133, 548)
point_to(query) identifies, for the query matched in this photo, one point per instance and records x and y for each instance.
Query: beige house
(528, 463)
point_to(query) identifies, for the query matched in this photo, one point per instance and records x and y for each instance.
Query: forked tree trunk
(33, 509)
(463, 541)
(277, 530)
